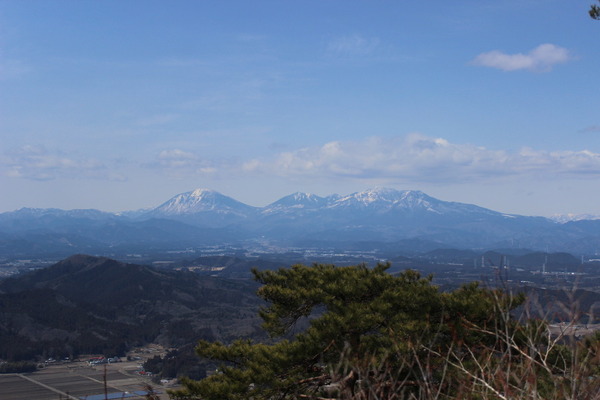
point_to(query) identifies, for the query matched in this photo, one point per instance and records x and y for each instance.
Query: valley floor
(77, 380)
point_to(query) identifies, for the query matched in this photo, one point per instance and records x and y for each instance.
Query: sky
(120, 105)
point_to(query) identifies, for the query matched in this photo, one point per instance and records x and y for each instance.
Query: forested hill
(95, 304)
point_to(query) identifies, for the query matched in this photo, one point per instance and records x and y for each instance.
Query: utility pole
(105, 385)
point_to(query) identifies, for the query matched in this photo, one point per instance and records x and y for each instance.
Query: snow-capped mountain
(388, 215)
(381, 198)
(379, 215)
(299, 200)
(384, 200)
(298, 203)
(203, 207)
(202, 200)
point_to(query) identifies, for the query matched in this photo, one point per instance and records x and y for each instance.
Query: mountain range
(376, 218)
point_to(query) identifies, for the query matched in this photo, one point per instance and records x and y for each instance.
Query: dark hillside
(94, 304)
(556, 305)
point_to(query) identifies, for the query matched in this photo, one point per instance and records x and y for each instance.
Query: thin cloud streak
(180, 164)
(160, 119)
(38, 163)
(542, 58)
(352, 45)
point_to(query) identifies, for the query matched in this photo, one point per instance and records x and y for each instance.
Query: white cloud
(542, 58)
(176, 158)
(181, 163)
(352, 45)
(38, 163)
(420, 158)
(413, 158)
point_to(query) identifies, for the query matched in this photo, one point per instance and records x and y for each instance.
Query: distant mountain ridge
(206, 217)
(562, 218)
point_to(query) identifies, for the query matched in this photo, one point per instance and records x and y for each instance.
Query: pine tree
(357, 315)
(595, 11)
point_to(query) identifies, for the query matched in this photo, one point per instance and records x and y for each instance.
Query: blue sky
(120, 105)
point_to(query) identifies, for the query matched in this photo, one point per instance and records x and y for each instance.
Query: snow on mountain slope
(202, 200)
(563, 218)
(386, 200)
(299, 200)
(297, 203)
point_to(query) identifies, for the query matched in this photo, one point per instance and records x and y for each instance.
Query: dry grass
(517, 359)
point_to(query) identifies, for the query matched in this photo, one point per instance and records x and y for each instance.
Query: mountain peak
(301, 198)
(202, 192)
(381, 198)
(382, 194)
(302, 195)
(202, 200)
(297, 200)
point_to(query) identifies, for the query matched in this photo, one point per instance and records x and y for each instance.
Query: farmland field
(75, 381)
